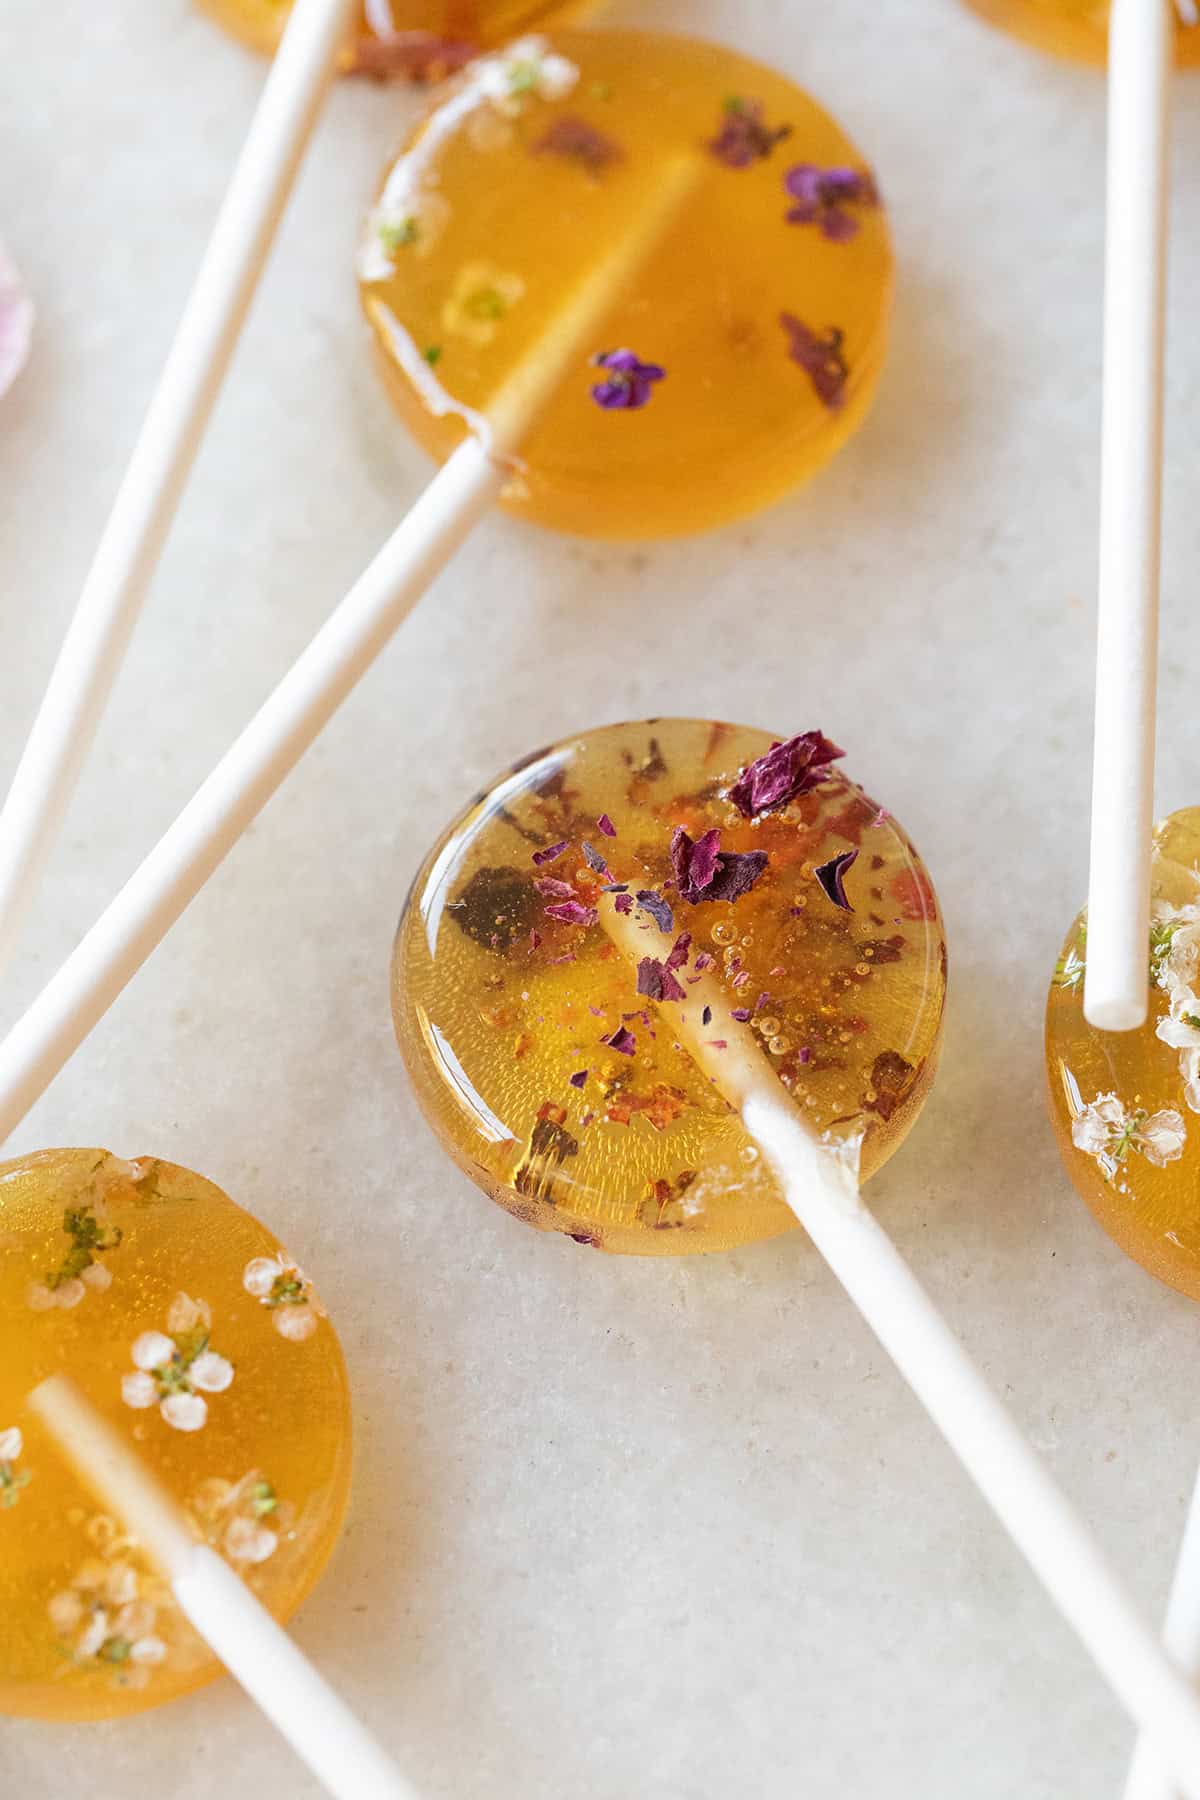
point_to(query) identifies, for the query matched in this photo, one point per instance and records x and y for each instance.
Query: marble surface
(619, 1527)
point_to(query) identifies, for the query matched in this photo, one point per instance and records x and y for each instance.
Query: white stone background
(672, 1529)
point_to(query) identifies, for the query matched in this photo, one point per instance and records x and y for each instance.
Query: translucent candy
(1126, 1105)
(754, 327)
(192, 1331)
(417, 40)
(1076, 28)
(546, 1070)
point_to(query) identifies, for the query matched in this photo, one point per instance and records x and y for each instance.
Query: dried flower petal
(831, 876)
(553, 889)
(704, 872)
(743, 138)
(657, 907)
(622, 1040)
(822, 358)
(550, 854)
(623, 903)
(594, 859)
(579, 141)
(656, 980)
(630, 382)
(572, 912)
(783, 773)
(605, 824)
(823, 198)
(579, 1078)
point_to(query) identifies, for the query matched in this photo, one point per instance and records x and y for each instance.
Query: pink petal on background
(16, 322)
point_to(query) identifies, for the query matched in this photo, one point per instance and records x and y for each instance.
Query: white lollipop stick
(125, 560)
(1148, 1778)
(86, 985)
(1141, 38)
(257, 1652)
(823, 1192)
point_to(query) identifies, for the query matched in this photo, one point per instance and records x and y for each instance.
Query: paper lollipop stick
(1141, 35)
(822, 1191)
(1149, 1778)
(257, 1652)
(99, 633)
(345, 647)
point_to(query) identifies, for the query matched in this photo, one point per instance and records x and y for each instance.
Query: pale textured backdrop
(664, 1529)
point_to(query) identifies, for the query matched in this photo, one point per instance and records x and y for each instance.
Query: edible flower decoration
(12, 1479)
(824, 198)
(628, 383)
(743, 138)
(481, 297)
(783, 773)
(418, 56)
(578, 141)
(820, 356)
(526, 70)
(1107, 1131)
(703, 871)
(111, 1611)
(832, 877)
(278, 1284)
(175, 1371)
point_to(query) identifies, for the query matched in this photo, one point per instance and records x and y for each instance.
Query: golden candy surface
(1126, 1104)
(417, 40)
(193, 1333)
(761, 303)
(1075, 28)
(549, 1075)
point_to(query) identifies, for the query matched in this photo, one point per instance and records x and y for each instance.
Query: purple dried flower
(549, 854)
(679, 950)
(594, 859)
(656, 980)
(579, 142)
(579, 1078)
(761, 1001)
(657, 907)
(704, 872)
(553, 889)
(821, 358)
(743, 138)
(572, 912)
(605, 824)
(706, 1016)
(622, 1041)
(740, 1013)
(703, 961)
(804, 1054)
(630, 381)
(623, 903)
(823, 197)
(832, 875)
(783, 773)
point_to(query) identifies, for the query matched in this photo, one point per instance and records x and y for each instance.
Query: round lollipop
(738, 356)
(194, 1334)
(1078, 28)
(1125, 1104)
(533, 1046)
(419, 40)
(665, 982)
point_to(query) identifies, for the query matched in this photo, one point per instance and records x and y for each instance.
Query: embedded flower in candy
(546, 1060)
(729, 363)
(402, 40)
(1126, 1105)
(183, 1349)
(1075, 28)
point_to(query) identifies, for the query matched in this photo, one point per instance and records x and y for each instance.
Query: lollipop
(1078, 28)
(645, 985)
(200, 1341)
(541, 1064)
(418, 40)
(739, 357)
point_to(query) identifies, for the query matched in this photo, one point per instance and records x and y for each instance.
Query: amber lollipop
(1079, 28)
(411, 40)
(673, 985)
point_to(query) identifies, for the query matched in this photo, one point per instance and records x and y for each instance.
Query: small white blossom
(1107, 1131)
(152, 1350)
(296, 1323)
(139, 1390)
(278, 1283)
(11, 1444)
(148, 1650)
(261, 1273)
(92, 1638)
(97, 1277)
(211, 1373)
(186, 1412)
(248, 1542)
(526, 69)
(66, 1612)
(186, 1314)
